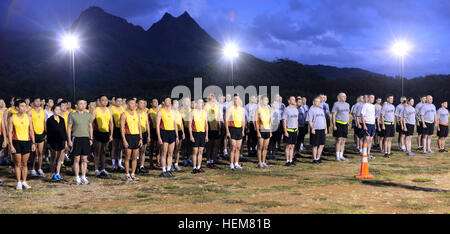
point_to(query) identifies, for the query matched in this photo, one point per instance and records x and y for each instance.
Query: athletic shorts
(378, 129)
(399, 129)
(353, 123)
(180, 136)
(81, 146)
(117, 134)
(318, 138)
(153, 135)
(409, 129)
(144, 138)
(102, 137)
(389, 131)
(168, 136)
(265, 135)
(236, 133)
(199, 139)
(370, 130)
(420, 128)
(443, 132)
(213, 135)
(429, 129)
(1, 142)
(292, 138)
(359, 132)
(57, 146)
(22, 147)
(342, 130)
(133, 141)
(38, 138)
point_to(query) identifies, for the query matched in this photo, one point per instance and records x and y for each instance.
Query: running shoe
(84, 180)
(121, 168)
(431, 152)
(386, 155)
(338, 159)
(260, 165)
(78, 180)
(287, 164)
(343, 158)
(19, 186)
(142, 170)
(26, 186)
(200, 170)
(410, 154)
(319, 161)
(128, 178)
(237, 167)
(293, 163)
(134, 178)
(41, 172)
(194, 171)
(97, 173)
(54, 177)
(33, 173)
(371, 157)
(176, 167)
(58, 176)
(170, 174)
(232, 166)
(104, 174)
(265, 165)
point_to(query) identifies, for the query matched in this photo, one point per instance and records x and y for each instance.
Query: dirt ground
(402, 184)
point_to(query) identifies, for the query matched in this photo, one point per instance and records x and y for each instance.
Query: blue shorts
(370, 130)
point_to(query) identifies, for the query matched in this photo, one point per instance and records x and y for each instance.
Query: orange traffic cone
(364, 174)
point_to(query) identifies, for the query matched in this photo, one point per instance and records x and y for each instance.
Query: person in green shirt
(79, 134)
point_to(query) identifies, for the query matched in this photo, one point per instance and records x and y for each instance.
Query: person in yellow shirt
(116, 149)
(154, 146)
(181, 136)
(21, 141)
(103, 134)
(235, 125)
(167, 132)
(145, 128)
(214, 113)
(198, 131)
(37, 114)
(262, 123)
(130, 128)
(3, 138)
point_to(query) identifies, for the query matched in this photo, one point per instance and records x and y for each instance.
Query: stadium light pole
(230, 51)
(70, 43)
(400, 49)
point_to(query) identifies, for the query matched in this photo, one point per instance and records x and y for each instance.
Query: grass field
(402, 184)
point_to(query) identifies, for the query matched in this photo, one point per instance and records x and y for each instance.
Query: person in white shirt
(368, 123)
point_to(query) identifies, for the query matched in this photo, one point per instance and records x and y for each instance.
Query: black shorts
(132, 140)
(251, 130)
(81, 146)
(398, 128)
(1, 142)
(180, 136)
(117, 134)
(429, 129)
(38, 138)
(22, 147)
(144, 138)
(265, 135)
(292, 138)
(389, 131)
(102, 137)
(153, 135)
(420, 128)
(409, 129)
(342, 130)
(57, 146)
(318, 138)
(443, 132)
(378, 129)
(213, 135)
(199, 139)
(236, 133)
(168, 136)
(359, 132)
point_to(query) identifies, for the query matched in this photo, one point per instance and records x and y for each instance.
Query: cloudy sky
(343, 33)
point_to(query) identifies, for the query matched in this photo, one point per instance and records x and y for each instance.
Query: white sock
(231, 165)
(176, 164)
(338, 154)
(198, 167)
(114, 162)
(120, 162)
(164, 169)
(287, 160)
(83, 177)
(236, 164)
(342, 154)
(168, 168)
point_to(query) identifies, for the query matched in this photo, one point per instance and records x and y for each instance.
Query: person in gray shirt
(408, 121)
(250, 111)
(401, 134)
(387, 122)
(419, 123)
(317, 123)
(443, 126)
(290, 126)
(359, 101)
(429, 122)
(339, 118)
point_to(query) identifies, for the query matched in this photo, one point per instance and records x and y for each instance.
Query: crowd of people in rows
(174, 130)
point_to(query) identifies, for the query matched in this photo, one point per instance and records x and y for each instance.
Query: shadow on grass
(391, 184)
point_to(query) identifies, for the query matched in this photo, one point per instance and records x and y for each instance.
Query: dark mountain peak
(93, 10)
(167, 16)
(185, 15)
